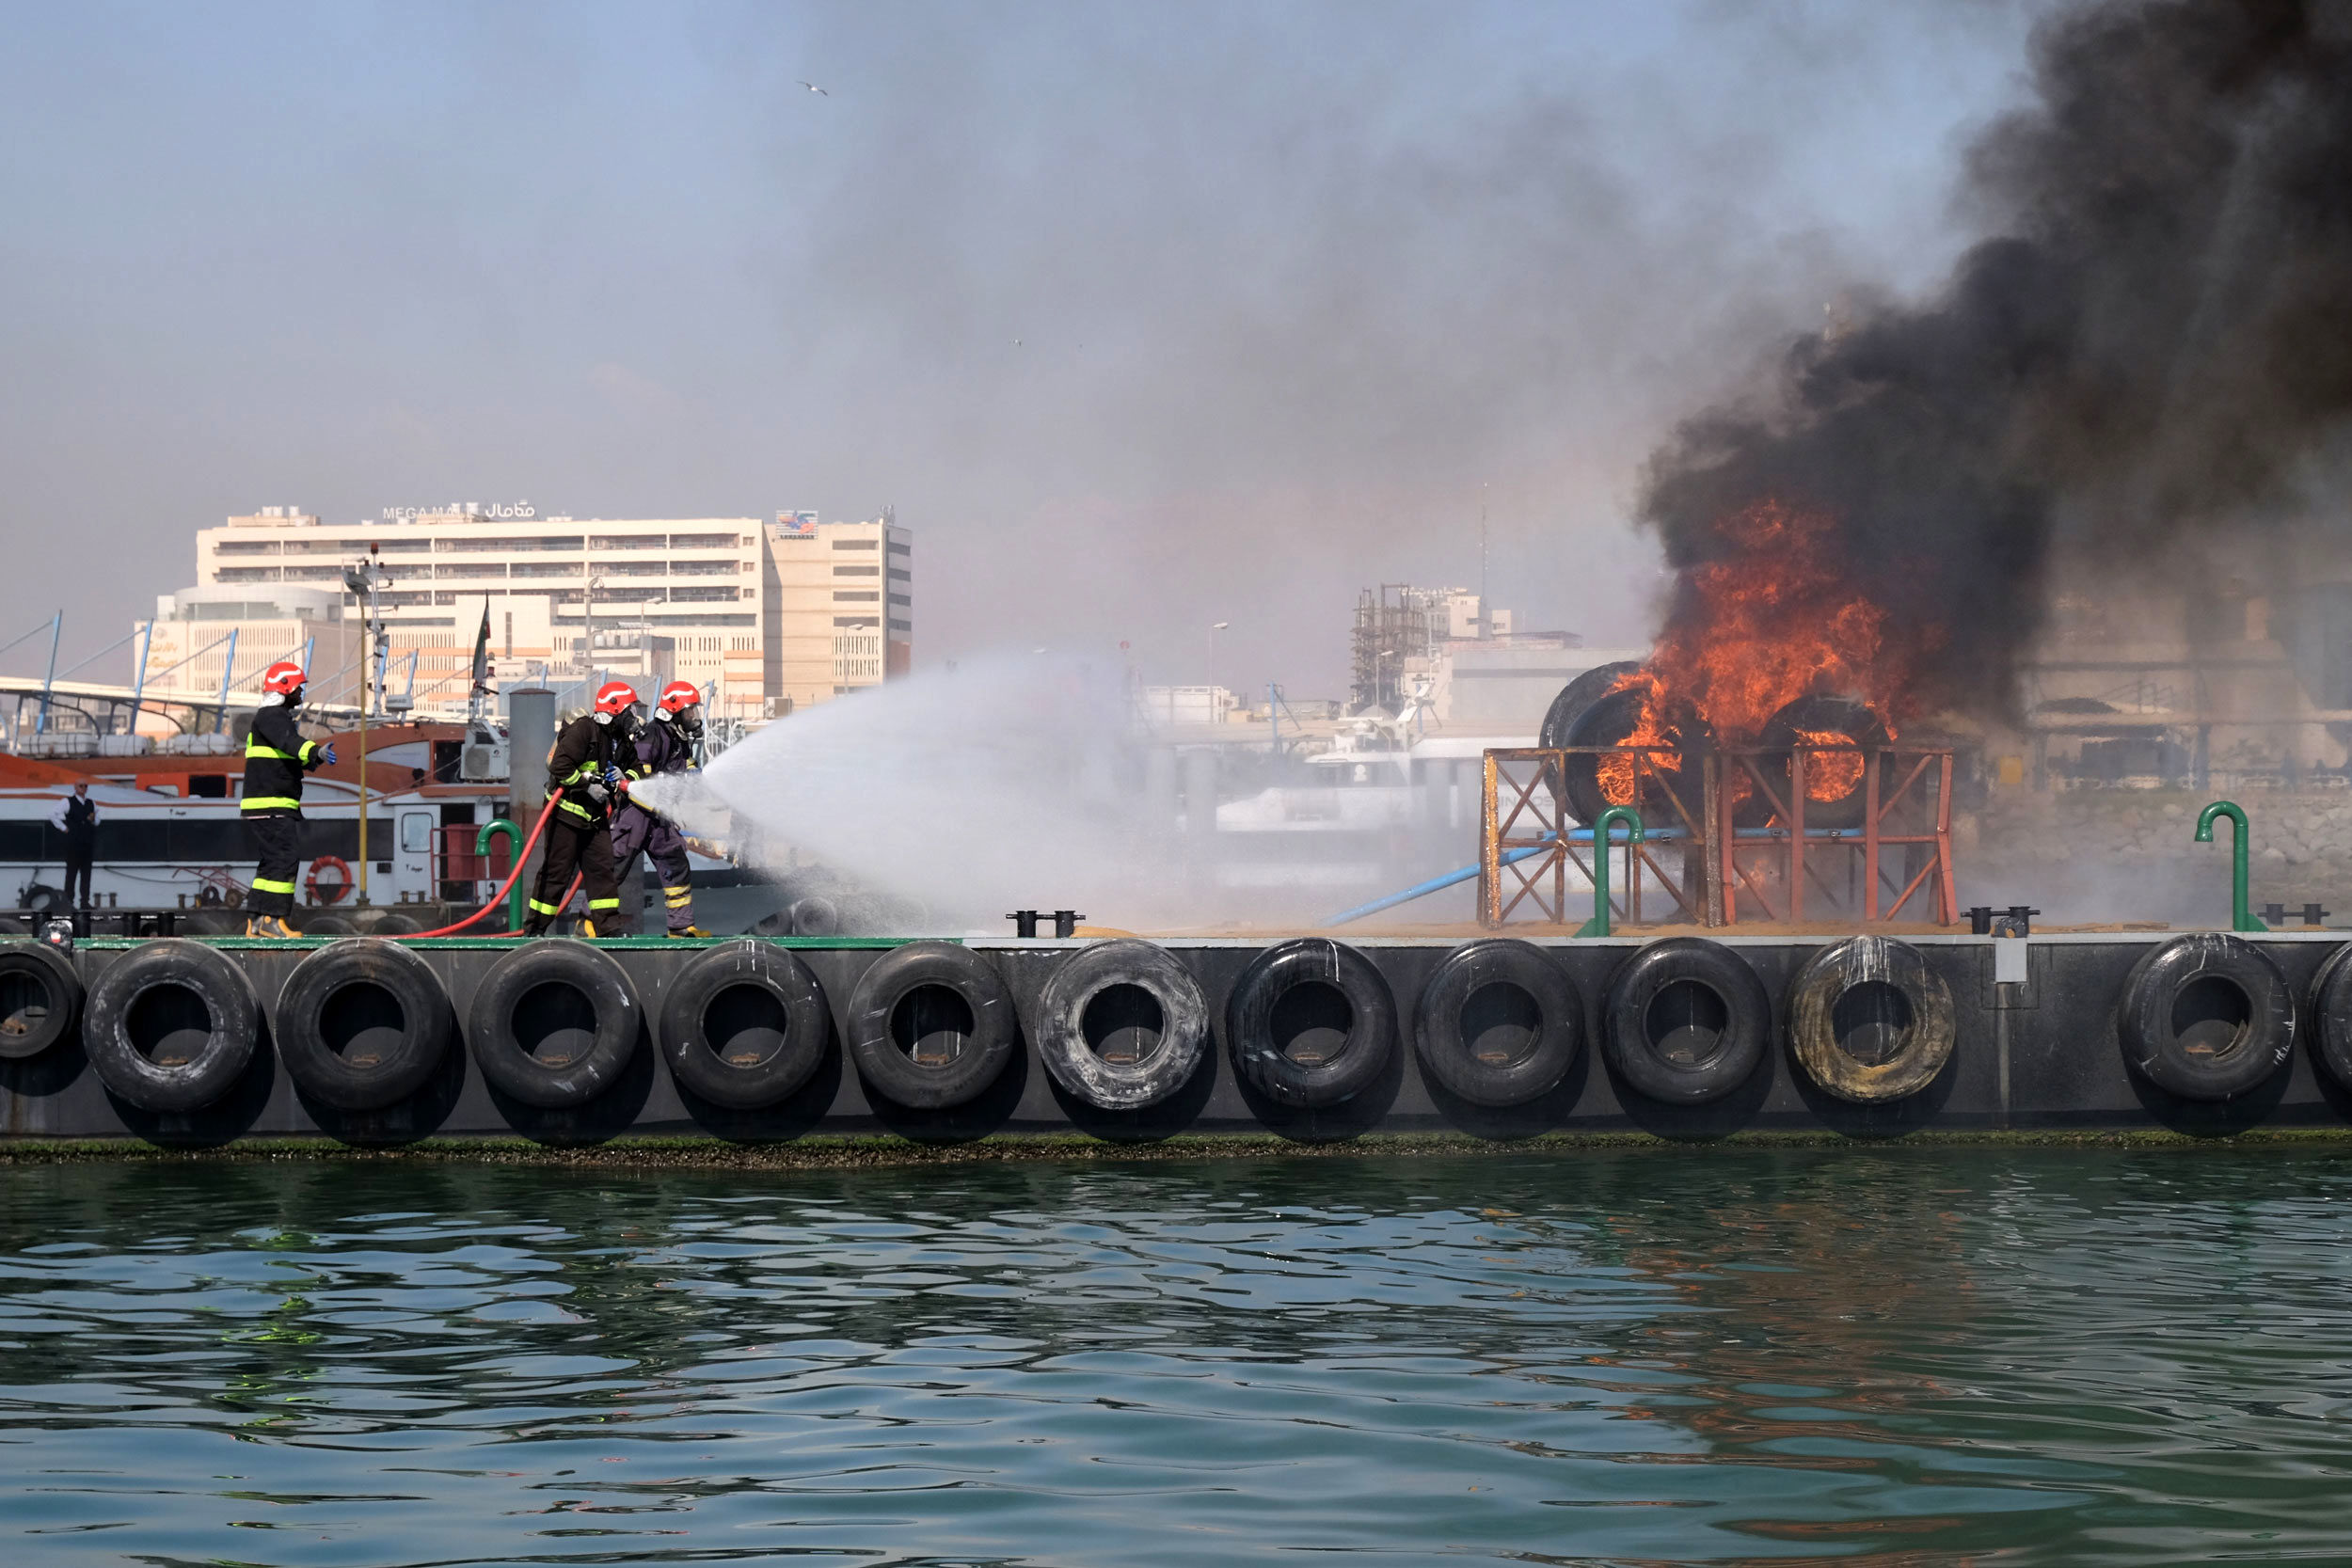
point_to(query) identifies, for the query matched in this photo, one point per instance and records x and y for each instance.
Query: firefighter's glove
(326, 755)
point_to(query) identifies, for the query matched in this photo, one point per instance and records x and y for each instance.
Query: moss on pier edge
(837, 1151)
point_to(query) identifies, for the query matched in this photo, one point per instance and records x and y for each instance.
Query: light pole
(1215, 626)
(363, 581)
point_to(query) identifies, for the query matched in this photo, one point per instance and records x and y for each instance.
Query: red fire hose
(520, 860)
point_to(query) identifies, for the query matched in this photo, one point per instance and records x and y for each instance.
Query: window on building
(857, 571)
(702, 595)
(853, 621)
(846, 597)
(547, 568)
(903, 599)
(245, 546)
(901, 625)
(702, 541)
(245, 574)
(701, 568)
(628, 542)
(856, 544)
(328, 573)
(472, 569)
(901, 547)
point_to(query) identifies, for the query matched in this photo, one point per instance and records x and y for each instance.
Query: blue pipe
(1456, 878)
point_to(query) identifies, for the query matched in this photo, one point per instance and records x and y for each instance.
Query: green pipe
(2241, 909)
(1599, 925)
(514, 853)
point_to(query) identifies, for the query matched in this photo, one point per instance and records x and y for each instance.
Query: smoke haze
(2155, 339)
(1143, 318)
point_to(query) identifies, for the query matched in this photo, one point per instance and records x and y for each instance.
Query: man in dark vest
(76, 817)
(276, 759)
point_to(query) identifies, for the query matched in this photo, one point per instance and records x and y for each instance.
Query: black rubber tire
(1082, 1004)
(1578, 695)
(11, 926)
(1883, 988)
(816, 916)
(2199, 972)
(41, 999)
(382, 1005)
(191, 1002)
(601, 1019)
(1664, 1004)
(887, 1022)
(1607, 722)
(1454, 1016)
(2331, 1017)
(1270, 1008)
(212, 922)
(387, 923)
(329, 926)
(744, 1025)
(1846, 715)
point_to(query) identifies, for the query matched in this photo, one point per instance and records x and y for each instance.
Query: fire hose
(521, 860)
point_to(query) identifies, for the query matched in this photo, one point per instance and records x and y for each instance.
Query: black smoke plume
(2154, 339)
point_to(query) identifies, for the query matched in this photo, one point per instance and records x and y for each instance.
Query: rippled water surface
(1899, 1356)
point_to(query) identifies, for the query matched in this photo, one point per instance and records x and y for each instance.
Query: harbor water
(1853, 1356)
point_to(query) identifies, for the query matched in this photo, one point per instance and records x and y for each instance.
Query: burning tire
(2206, 1016)
(362, 1024)
(41, 999)
(1499, 1023)
(1121, 1025)
(1870, 1020)
(1310, 1022)
(1687, 1021)
(170, 1025)
(1833, 793)
(932, 1025)
(744, 1025)
(554, 1023)
(1578, 695)
(1591, 784)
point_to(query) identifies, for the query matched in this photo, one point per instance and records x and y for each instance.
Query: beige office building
(763, 616)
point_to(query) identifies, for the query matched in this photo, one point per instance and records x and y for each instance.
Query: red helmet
(676, 698)
(282, 679)
(616, 697)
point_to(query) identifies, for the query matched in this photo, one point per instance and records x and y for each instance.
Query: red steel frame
(1521, 815)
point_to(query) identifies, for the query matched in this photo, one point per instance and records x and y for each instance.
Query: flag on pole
(482, 649)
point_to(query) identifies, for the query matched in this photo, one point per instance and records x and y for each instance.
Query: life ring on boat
(1687, 1021)
(1122, 1024)
(329, 893)
(1500, 1022)
(362, 1024)
(170, 1025)
(2205, 1017)
(744, 1025)
(932, 1025)
(1870, 1020)
(1310, 1022)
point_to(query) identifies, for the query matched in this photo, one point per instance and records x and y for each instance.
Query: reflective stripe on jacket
(276, 757)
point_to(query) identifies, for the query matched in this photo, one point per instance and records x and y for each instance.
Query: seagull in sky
(815, 89)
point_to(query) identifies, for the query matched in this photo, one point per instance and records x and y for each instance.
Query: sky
(1142, 317)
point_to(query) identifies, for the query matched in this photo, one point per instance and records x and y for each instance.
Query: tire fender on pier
(170, 1025)
(1500, 1022)
(2206, 1016)
(41, 999)
(554, 1023)
(2331, 1017)
(744, 1025)
(1310, 1022)
(1687, 1021)
(362, 1024)
(932, 1025)
(1122, 1024)
(1870, 1020)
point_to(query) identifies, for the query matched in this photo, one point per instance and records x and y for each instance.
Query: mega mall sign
(496, 511)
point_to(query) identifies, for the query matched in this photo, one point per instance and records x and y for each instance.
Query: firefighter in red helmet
(665, 746)
(589, 763)
(276, 758)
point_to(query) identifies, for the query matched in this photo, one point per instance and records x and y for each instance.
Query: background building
(764, 617)
(208, 641)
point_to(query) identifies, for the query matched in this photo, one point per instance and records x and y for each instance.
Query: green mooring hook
(1599, 925)
(513, 851)
(2241, 911)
